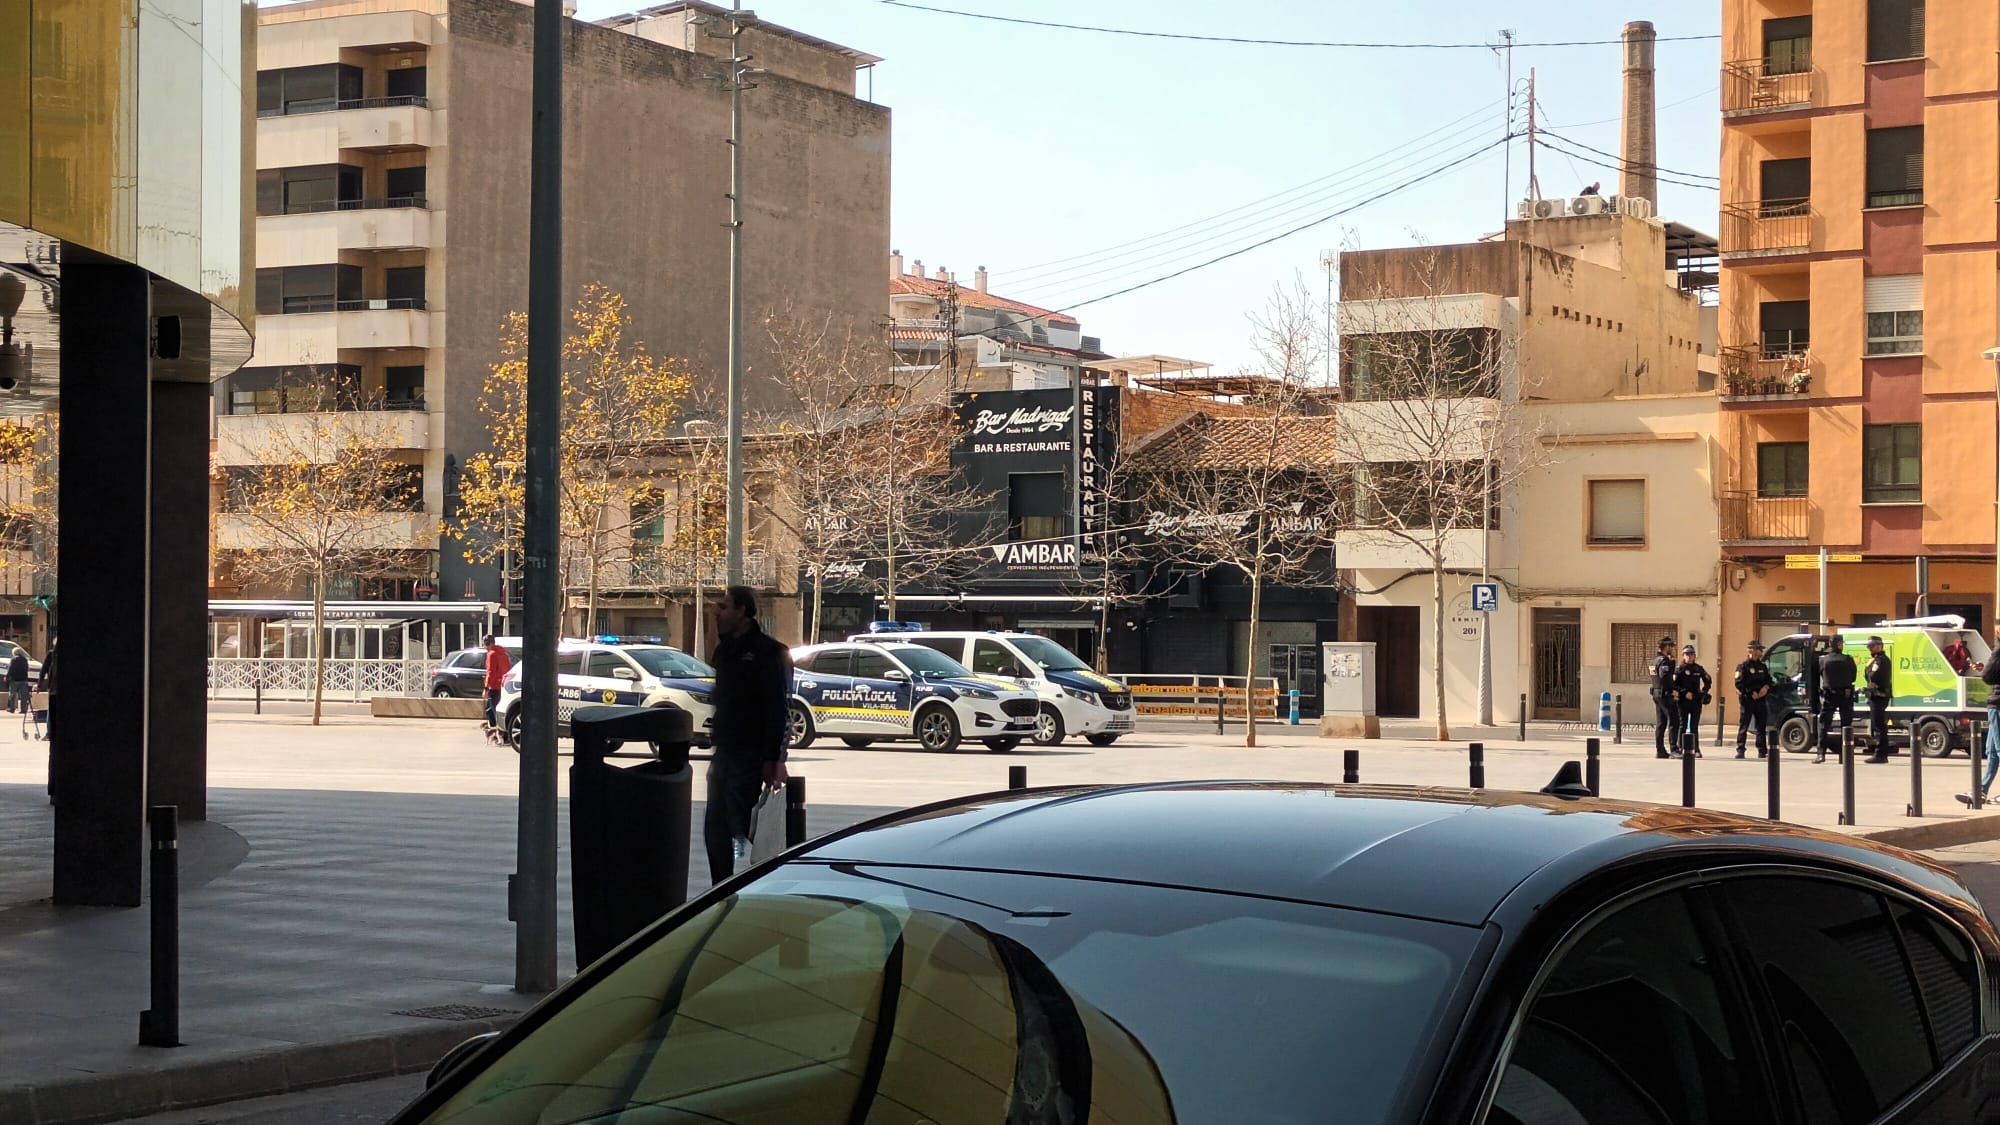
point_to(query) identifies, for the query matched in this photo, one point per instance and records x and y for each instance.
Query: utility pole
(1329, 261)
(1534, 185)
(736, 80)
(1507, 127)
(532, 898)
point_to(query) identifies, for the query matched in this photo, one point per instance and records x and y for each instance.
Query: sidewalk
(315, 925)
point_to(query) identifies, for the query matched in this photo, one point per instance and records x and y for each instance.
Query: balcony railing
(1767, 226)
(1765, 86)
(1750, 518)
(329, 105)
(1765, 370)
(378, 203)
(328, 304)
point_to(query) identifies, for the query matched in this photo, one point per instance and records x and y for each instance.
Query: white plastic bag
(767, 825)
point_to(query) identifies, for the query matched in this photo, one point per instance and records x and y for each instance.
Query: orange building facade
(1860, 291)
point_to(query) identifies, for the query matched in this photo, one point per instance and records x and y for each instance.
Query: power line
(1618, 167)
(1621, 160)
(1609, 120)
(1270, 42)
(1036, 268)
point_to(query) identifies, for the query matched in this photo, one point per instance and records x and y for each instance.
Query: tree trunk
(317, 647)
(590, 597)
(819, 600)
(1250, 658)
(1437, 645)
(889, 587)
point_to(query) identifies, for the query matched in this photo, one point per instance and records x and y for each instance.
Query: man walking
(1991, 676)
(17, 683)
(1836, 695)
(1665, 725)
(753, 687)
(497, 666)
(1878, 677)
(1753, 690)
(1692, 685)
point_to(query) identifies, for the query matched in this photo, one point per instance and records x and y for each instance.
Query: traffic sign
(1485, 597)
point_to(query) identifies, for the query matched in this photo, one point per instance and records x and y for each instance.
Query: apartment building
(1581, 332)
(1860, 168)
(392, 151)
(976, 340)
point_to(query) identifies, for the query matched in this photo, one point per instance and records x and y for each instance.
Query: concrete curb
(115, 1097)
(1940, 834)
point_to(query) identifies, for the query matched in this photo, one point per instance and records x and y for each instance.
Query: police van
(893, 692)
(614, 670)
(1072, 699)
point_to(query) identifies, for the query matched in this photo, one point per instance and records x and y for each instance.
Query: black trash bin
(628, 826)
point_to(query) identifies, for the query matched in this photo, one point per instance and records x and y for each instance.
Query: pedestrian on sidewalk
(1665, 724)
(1753, 704)
(1837, 674)
(1990, 674)
(753, 689)
(497, 667)
(17, 683)
(1692, 687)
(1879, 678)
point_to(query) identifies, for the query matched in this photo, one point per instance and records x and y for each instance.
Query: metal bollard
(1221, 693)
(1476, 754)
(1690, 745)
(1590, 766)
(160, 1025)
(1524, 718)
(795, 811)
(1017, 777)
(1973, 754)
(1350, 767)
(1771, 779)
(1847, 774)
(258, 684)
(1719, 706)
(1916, 806)
(1618, 719)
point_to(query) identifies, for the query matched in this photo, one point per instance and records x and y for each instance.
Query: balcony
(256, 439)
(1755, 372)
(381, 531)
(318, 336)
(1766, 227)
(329, 105)
(1753, 86)
(312, 237)
(367, 124)
(1748, 519)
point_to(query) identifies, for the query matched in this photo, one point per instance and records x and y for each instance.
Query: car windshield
(885, 994)
(926, 662)
(669, 662)
(1051, 656)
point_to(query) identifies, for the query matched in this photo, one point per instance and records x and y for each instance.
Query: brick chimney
(895, 264)
(918, 271)
(979, 279)
(942, 274)
(1638, 146)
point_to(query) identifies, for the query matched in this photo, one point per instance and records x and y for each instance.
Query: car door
(569, 688)
(465, 673)
(822, 681)
(994, 658)
(1637, 1020)
(882, 692)
(609, 677)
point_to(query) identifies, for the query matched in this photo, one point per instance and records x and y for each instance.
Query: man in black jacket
(753, 687)
(1878, 676)
(1837, 674)
(1692, 687)
(1753, 699)
(1666, 725)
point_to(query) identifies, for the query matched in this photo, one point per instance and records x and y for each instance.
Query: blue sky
(1017, 147)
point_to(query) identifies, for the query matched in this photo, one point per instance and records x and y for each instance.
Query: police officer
(1836, 694)
(1877, 675)
(1665, 725)
(1692, 685)
(1753, 702)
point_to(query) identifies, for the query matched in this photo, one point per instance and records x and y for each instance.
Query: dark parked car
(1273, 953)
(463, 673)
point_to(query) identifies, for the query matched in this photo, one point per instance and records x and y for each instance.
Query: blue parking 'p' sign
(1485, 597)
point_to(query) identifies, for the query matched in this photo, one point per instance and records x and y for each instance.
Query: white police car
(866, 693)
(1073, 698)
(608, 670)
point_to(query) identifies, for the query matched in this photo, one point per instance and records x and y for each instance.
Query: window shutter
(1617, 510)
(1901, 293)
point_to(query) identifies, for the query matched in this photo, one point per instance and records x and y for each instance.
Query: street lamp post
(1992, 355)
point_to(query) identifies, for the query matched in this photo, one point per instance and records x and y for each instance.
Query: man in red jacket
(497, 665)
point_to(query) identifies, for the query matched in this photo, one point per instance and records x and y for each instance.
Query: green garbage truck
(1939, 692)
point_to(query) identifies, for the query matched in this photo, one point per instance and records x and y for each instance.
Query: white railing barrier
(1193, 696)
(236, 677)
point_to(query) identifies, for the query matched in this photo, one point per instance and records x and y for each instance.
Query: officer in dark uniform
(1836, 695)
(1753, 699)
(1664, 722)
(1692, 685)
(1878, 676)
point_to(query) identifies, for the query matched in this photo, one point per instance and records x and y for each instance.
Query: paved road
(364, 1103)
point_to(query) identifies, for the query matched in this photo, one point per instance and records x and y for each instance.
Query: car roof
(1444, 854)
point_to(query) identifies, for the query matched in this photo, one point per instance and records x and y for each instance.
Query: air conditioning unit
(1524, 209)
(1549, 208)
(1628, 205)
(1587, 205)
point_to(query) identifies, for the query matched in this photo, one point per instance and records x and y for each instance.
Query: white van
(1074, 699)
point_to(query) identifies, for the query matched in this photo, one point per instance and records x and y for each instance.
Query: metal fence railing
(1765, 85)
(232, 677)
(1194, 696)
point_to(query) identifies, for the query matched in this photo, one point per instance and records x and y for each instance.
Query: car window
(949, 646)
(669, 662)
(1633, 1026)
(605, 665)
(569, 663)
(928, 660)
(1049, 654)
(1827, 957)
(471, 658)
(1947, 975)
(994, 659)
(872, 665)
(822, 996)
(831, 662)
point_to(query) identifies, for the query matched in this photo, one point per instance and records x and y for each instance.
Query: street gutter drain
(456, 1012)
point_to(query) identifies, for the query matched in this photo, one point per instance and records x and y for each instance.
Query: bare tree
(1431, 426)
(1253, 494)
(312, 497)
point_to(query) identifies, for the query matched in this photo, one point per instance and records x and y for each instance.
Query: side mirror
(895, 674)
(624, 674)
(456, 1057)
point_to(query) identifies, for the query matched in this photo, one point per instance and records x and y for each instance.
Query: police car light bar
(895, 627)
